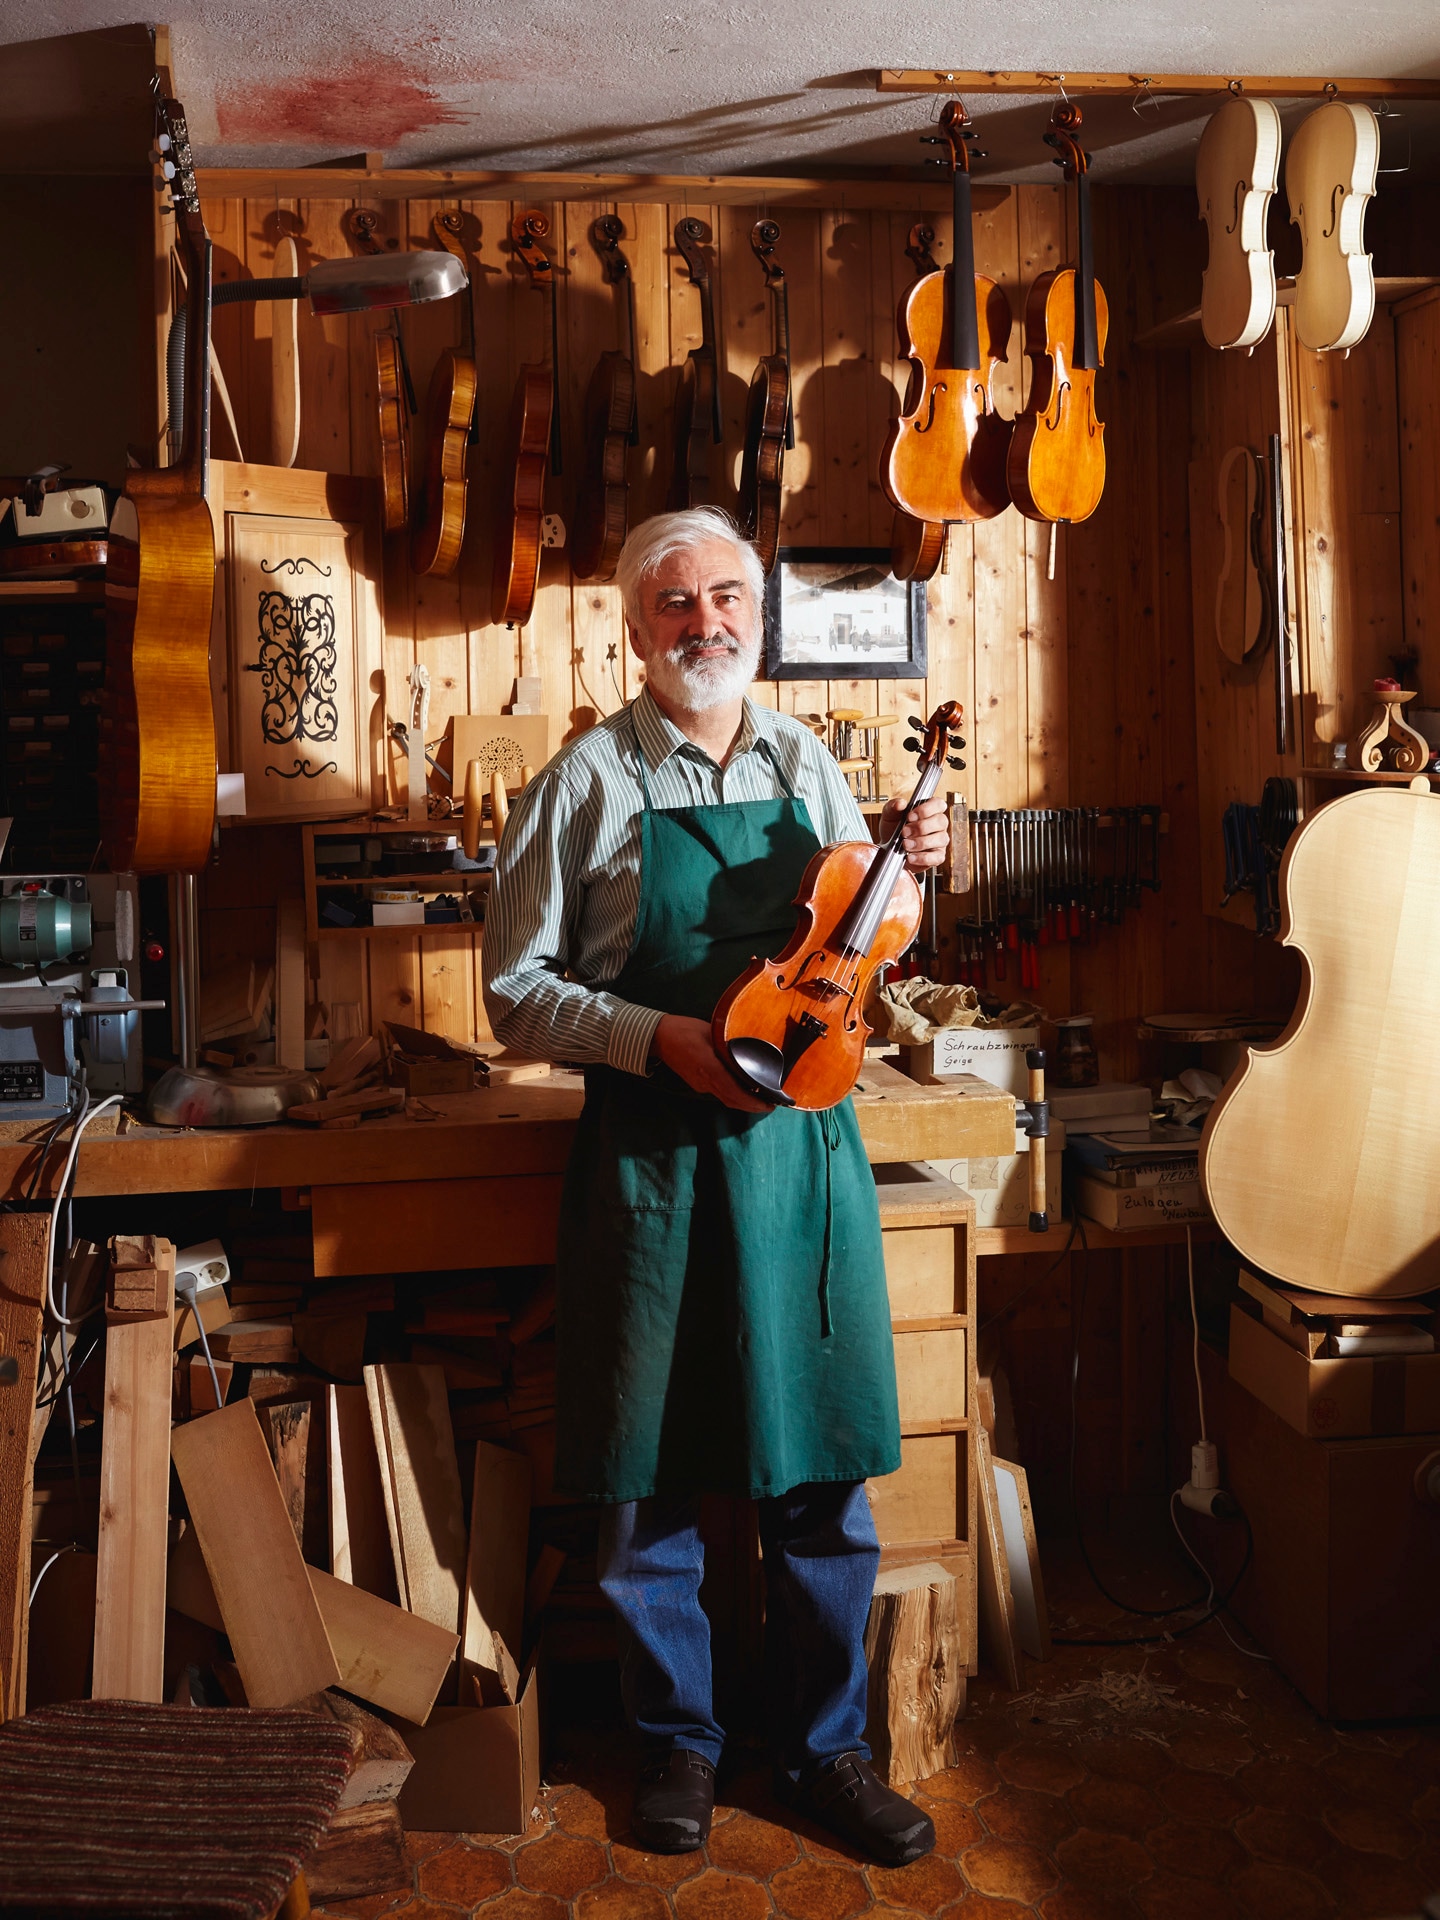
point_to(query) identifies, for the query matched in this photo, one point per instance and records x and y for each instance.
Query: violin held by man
(722, 1321)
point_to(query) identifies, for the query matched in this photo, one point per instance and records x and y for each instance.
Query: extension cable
(1202, 1492)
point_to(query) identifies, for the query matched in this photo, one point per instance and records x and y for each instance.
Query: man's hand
(927, 832)
(686, 1048)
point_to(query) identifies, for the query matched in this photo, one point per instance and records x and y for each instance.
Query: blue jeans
(821, 1557)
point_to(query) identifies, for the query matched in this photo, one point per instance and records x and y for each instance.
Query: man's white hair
(653, 542)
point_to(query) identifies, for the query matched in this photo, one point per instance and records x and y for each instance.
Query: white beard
(697, 685)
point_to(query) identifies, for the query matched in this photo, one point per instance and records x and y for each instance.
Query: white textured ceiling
(661, 86)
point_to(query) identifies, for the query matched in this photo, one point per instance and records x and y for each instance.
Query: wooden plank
(914, 1647)
(1022, 1558)
(1417, 351)
(297, 1442)
(1000, 1639)
(359, 1537)
(135, 1497)
(255, 1567)
(290, 984)
(22, 1311)
(410, 1418)
(395, 992)
(361, 1854)
(495, 1569)
(447, 984)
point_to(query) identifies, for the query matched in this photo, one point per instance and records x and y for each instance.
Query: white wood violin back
(1236, 171)
(1329, 177)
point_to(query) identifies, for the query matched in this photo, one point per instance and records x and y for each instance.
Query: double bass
(533, 448)
(944, 457)
(792, 1030)
(769, 413)
(439, 532)
(697, 399)
(1056, 464)
(394, 390)
(612, 427)
(157, 730)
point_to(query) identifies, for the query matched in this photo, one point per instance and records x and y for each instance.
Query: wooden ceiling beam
(1268, 85)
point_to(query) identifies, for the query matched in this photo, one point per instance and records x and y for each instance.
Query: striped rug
(176, 1813)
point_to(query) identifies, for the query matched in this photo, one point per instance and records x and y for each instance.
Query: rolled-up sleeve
(530, 934)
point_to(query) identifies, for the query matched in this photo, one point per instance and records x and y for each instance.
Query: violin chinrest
(760, 1069)
(1329, 176)
(1237, 169)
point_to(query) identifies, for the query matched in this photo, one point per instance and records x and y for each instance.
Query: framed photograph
(842, 615)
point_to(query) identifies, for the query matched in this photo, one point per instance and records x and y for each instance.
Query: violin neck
(964, 327)
(555, 466)
(1086, 338)
(707, 341)
(857, 930)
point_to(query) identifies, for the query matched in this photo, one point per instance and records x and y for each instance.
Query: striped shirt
(563, 904)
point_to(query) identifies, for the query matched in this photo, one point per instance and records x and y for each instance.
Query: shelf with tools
(360, 847)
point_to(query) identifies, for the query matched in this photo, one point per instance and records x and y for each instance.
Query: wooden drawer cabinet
(926, 1510)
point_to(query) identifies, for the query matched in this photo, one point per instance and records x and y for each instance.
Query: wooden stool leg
(296, 1904)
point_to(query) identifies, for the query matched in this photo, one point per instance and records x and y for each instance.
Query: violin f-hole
(939, 387)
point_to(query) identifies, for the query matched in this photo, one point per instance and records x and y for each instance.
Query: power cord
(86, 1116)
(189, 1292)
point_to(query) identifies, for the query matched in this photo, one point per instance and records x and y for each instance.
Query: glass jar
(1076, 1062)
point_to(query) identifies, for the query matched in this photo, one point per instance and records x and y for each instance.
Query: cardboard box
(1130, 1209)
(1334, 1399)
(996, 1054)
(477, 1769)
(1000, 1186)
(419, 1077)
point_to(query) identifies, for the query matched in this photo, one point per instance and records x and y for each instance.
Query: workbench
(479, 1186)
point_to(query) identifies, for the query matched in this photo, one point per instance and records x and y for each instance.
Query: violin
(944, 457)
(157, 728)
(769, 413)
(1236, 171)
(439, 534)
(1329, 176)
(697, 400)
(1320, 1159)
(1056, 466)
(394, 390)
(792, 1030)
(612, 427)
(917, 547)
(533, 451)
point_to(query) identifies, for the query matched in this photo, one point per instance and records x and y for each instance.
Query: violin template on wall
(697, 399)
(612, 426)
(1236, 171)
(1330, 172)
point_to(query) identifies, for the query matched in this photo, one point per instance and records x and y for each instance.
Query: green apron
(723, 1324)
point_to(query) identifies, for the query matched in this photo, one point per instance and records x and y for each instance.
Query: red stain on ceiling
(356, 106)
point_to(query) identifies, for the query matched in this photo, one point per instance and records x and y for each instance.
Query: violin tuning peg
(915, 721)
(957, 764)
(912, 746)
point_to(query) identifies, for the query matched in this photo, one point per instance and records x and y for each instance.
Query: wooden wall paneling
(1352, 617)
(743, 324)
(546, 646)
(594, 324)
(805, 468)
(447, 983)
(325, 342)
(646, 244)
(342, 978)
(1417, 355)
(395, 990)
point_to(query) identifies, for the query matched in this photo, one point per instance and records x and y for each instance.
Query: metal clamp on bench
(1033, 1117)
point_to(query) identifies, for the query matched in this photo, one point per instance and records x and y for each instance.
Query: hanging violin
(612, 427)
(917, 547)
(944, 458)
(1237, 169)
(697, 400)
(769, 413)
(394, 389)
(534, 447)
(792, 1030)
(1329, 176)
(439, 530)
(1056, 464)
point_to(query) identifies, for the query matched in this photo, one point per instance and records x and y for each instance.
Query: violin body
(814, 982)
(696, 399)
(945, 457)
(394, 431)
(1056, 463)
(602, 509)
(762, 465)
(1321, 1160)
(1329, 177)
(527, 461)
(916, 547)
(1236, 171)
(436, 541)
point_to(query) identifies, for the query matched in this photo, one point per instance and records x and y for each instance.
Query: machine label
(22, 1080)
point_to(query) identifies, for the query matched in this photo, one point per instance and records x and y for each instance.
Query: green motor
(36, 927)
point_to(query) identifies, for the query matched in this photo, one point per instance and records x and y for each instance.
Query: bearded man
(722, 1321)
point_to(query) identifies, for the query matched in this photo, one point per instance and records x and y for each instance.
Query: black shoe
(844, 1795)
(674, 1802)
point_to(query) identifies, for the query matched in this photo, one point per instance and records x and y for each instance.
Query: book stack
(1329, 1327)
(1146, 1178)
